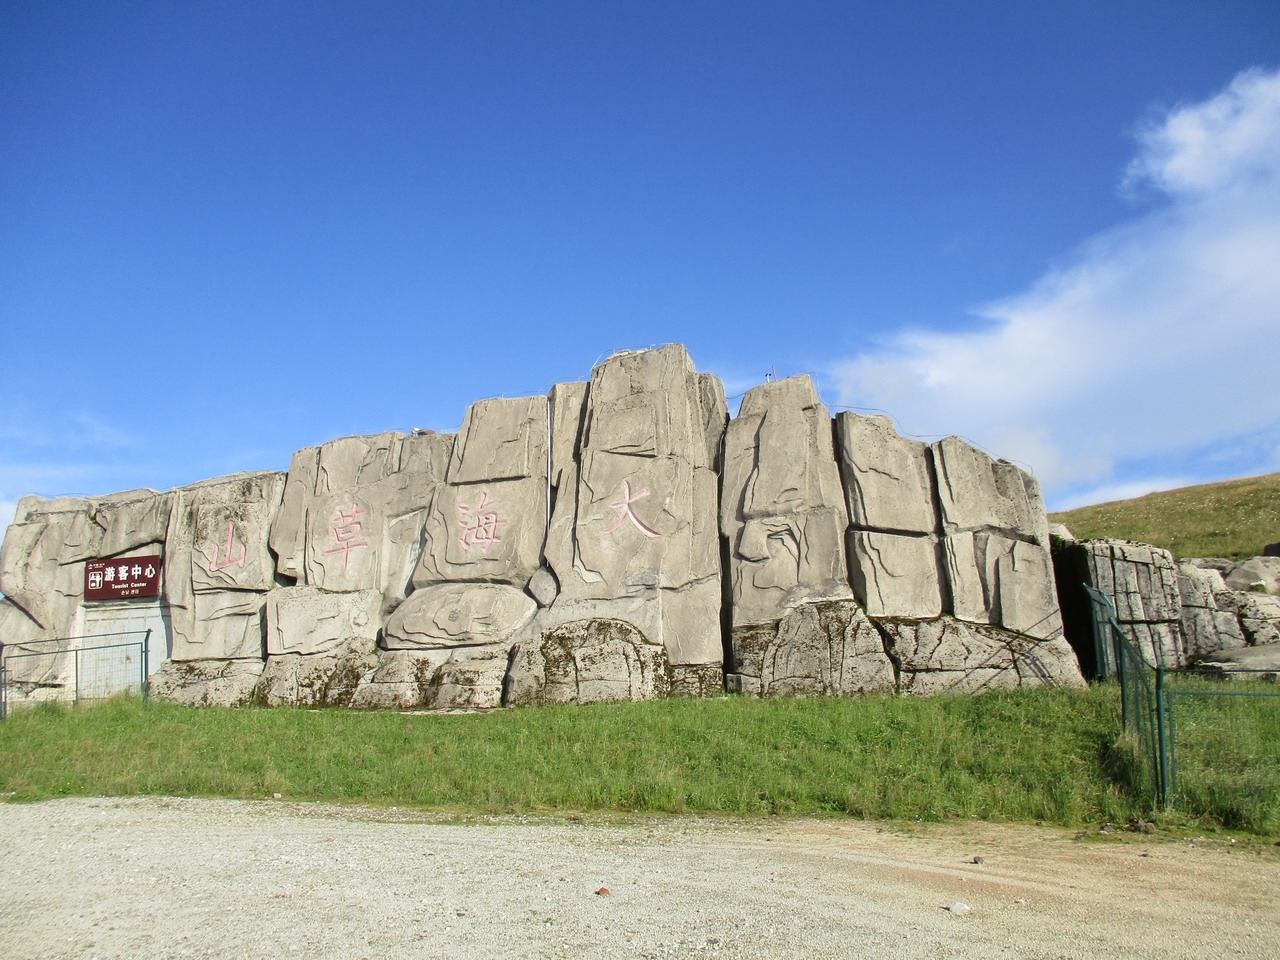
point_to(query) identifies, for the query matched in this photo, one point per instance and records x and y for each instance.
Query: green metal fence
(1203, 741)
(72, 669)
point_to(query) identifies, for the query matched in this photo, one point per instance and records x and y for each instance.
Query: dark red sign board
(122, 578)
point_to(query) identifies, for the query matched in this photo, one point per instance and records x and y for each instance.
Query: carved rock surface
(217, 568)
(594, 661)
(207, 683)
(782, 507)
(325, 679)
(306, 620)
(828, 648)
(354, 511)
(642, 519)
(951, 656)
(458, 614)
(489, 519)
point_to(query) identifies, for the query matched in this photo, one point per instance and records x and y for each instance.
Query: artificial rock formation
(615, 540)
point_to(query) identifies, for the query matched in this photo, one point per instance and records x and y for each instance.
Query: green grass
(1227, 752)
(1020, 756)
(1235, 518)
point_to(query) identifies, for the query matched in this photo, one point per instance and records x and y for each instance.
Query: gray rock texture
(1206, 628)
(1142, 583)
(592, 661)
(207, 683)
(947, 655)
(828, 648)
(782, 507)
(637, 535)
(613, 540)
(1257, 575)
(489, 518)
(217, 566)
(458, 614)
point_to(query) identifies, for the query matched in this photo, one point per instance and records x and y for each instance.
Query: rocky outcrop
(614, 540)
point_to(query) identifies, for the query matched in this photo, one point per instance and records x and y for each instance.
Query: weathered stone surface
(1205, 628)
(307, 620)
(1260, 574)
(489, 519)
(1258, 613)
(1142, 582)
(217, 567)
(458, 614)
(782, 506)
(828, 649)
(207, 683)
(595, 661)
(1003, 582)
(324, 679)
(888, 478)
(645, 503)
(1265, 657)
(354, 510)
(895, 576)
(976, 492)
(948, 655)
(26, 659)
(466, 679)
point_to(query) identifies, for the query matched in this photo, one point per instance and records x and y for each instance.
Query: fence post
(1161, 716)
(76, 698)
(146, 664)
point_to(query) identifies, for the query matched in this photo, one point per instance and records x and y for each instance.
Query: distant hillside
(1234, 518)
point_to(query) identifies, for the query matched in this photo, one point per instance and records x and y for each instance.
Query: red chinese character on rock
(346, 530)
(625, 512)
(480, 524)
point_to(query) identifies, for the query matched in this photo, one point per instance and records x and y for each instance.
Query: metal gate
(71, 669)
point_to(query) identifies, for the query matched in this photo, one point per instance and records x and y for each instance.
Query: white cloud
(1157, 339)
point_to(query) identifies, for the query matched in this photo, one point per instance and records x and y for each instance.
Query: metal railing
(1195, 734)
(72, 669)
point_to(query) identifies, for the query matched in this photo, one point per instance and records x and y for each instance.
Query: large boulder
(218, 568)
(1142, 584)
(594, 661)
(783, 517)
(489, 518)
(635, 539)
(828, 648)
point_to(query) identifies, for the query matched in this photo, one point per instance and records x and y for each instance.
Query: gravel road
(160, 878)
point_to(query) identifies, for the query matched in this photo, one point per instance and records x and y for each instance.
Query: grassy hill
(1234, 518)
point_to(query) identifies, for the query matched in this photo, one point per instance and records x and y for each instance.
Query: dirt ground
(158, 878)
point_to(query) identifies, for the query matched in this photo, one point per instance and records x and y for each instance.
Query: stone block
(323, 679)
(895, 576)
(1002, 582)
(207, 683)
(593, 661)
(782, 507)
(308, 621)
(947, 655)
(888, 478)
(817, 649)
(458, 614)
(976, 492)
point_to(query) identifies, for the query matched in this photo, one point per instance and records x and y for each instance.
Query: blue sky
(230, 230)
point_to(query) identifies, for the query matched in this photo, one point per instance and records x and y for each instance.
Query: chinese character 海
(480, 524)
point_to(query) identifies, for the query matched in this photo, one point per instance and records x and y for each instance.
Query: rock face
(633, 536)
(614, 540)
(1142, 582)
